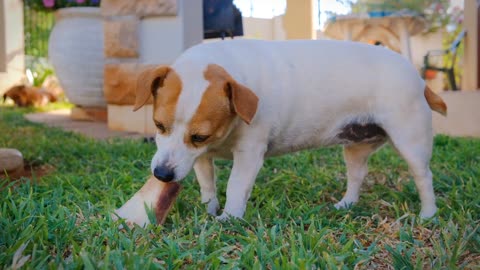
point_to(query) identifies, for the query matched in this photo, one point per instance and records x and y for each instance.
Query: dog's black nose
(163, 174)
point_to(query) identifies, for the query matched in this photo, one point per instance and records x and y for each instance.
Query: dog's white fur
(308, 91)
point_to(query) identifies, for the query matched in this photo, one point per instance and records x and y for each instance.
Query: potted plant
(75, 49)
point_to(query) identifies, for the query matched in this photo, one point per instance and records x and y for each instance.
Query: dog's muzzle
(163, 173)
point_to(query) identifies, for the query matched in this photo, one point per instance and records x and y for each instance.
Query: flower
(51, 5)
(48, 3)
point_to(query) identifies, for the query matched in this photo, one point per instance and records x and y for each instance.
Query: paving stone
(11, 160)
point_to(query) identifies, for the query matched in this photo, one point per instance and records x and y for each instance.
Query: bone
(156, 195)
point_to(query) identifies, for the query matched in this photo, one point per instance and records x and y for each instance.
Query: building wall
(267, 29)
(3, 55)
(470, 58)
(12, 58)
(298, 20)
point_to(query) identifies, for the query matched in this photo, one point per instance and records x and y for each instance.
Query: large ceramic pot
(75, 50)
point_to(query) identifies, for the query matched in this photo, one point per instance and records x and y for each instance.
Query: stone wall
(121, 39)
(138, 34)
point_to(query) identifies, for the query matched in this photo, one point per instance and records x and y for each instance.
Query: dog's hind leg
(413, 139)
(205, 172)
(417, 153)
(356, 158)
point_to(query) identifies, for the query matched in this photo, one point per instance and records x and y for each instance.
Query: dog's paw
(213, 206)
(344, 204)
(226, 217)
(429, 212)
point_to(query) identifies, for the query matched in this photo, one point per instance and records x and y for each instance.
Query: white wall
(13, 47)
(268, 29)
(257, 28)
(164, 38)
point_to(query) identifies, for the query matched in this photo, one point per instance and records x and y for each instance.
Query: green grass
(62, 220)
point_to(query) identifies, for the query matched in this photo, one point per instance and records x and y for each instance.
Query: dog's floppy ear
(148, 83)
(243, 100)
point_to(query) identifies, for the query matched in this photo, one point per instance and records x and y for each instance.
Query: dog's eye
(199, 138)
(160, 127)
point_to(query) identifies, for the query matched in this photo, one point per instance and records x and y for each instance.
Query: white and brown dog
(247, 100)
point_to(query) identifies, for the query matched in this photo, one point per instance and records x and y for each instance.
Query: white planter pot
(75, 50)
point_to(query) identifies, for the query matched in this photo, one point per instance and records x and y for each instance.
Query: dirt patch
(30, 170)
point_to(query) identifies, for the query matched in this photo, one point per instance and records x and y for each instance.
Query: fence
(37, 27)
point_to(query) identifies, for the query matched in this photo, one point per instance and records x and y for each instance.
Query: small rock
(11, 160)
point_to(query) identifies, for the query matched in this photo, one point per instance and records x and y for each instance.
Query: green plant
(38, 69)
(448, 59)
(37, 27)
(454, 27)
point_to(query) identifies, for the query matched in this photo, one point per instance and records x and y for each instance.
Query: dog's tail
(435, 102)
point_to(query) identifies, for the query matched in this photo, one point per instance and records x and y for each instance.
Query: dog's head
(191, 114)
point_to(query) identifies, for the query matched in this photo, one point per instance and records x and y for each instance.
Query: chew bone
(154, 194)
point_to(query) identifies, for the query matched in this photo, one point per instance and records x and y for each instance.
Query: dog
(27, 96)
(248, 100)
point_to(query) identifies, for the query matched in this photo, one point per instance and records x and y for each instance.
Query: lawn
(62, 219)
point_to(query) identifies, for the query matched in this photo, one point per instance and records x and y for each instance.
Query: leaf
(18, 259)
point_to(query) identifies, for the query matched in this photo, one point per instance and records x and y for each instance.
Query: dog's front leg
(205, 172)
(246, 164)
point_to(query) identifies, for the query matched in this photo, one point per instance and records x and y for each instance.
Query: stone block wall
(121, 42)
(120, 37)
(138, 34)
